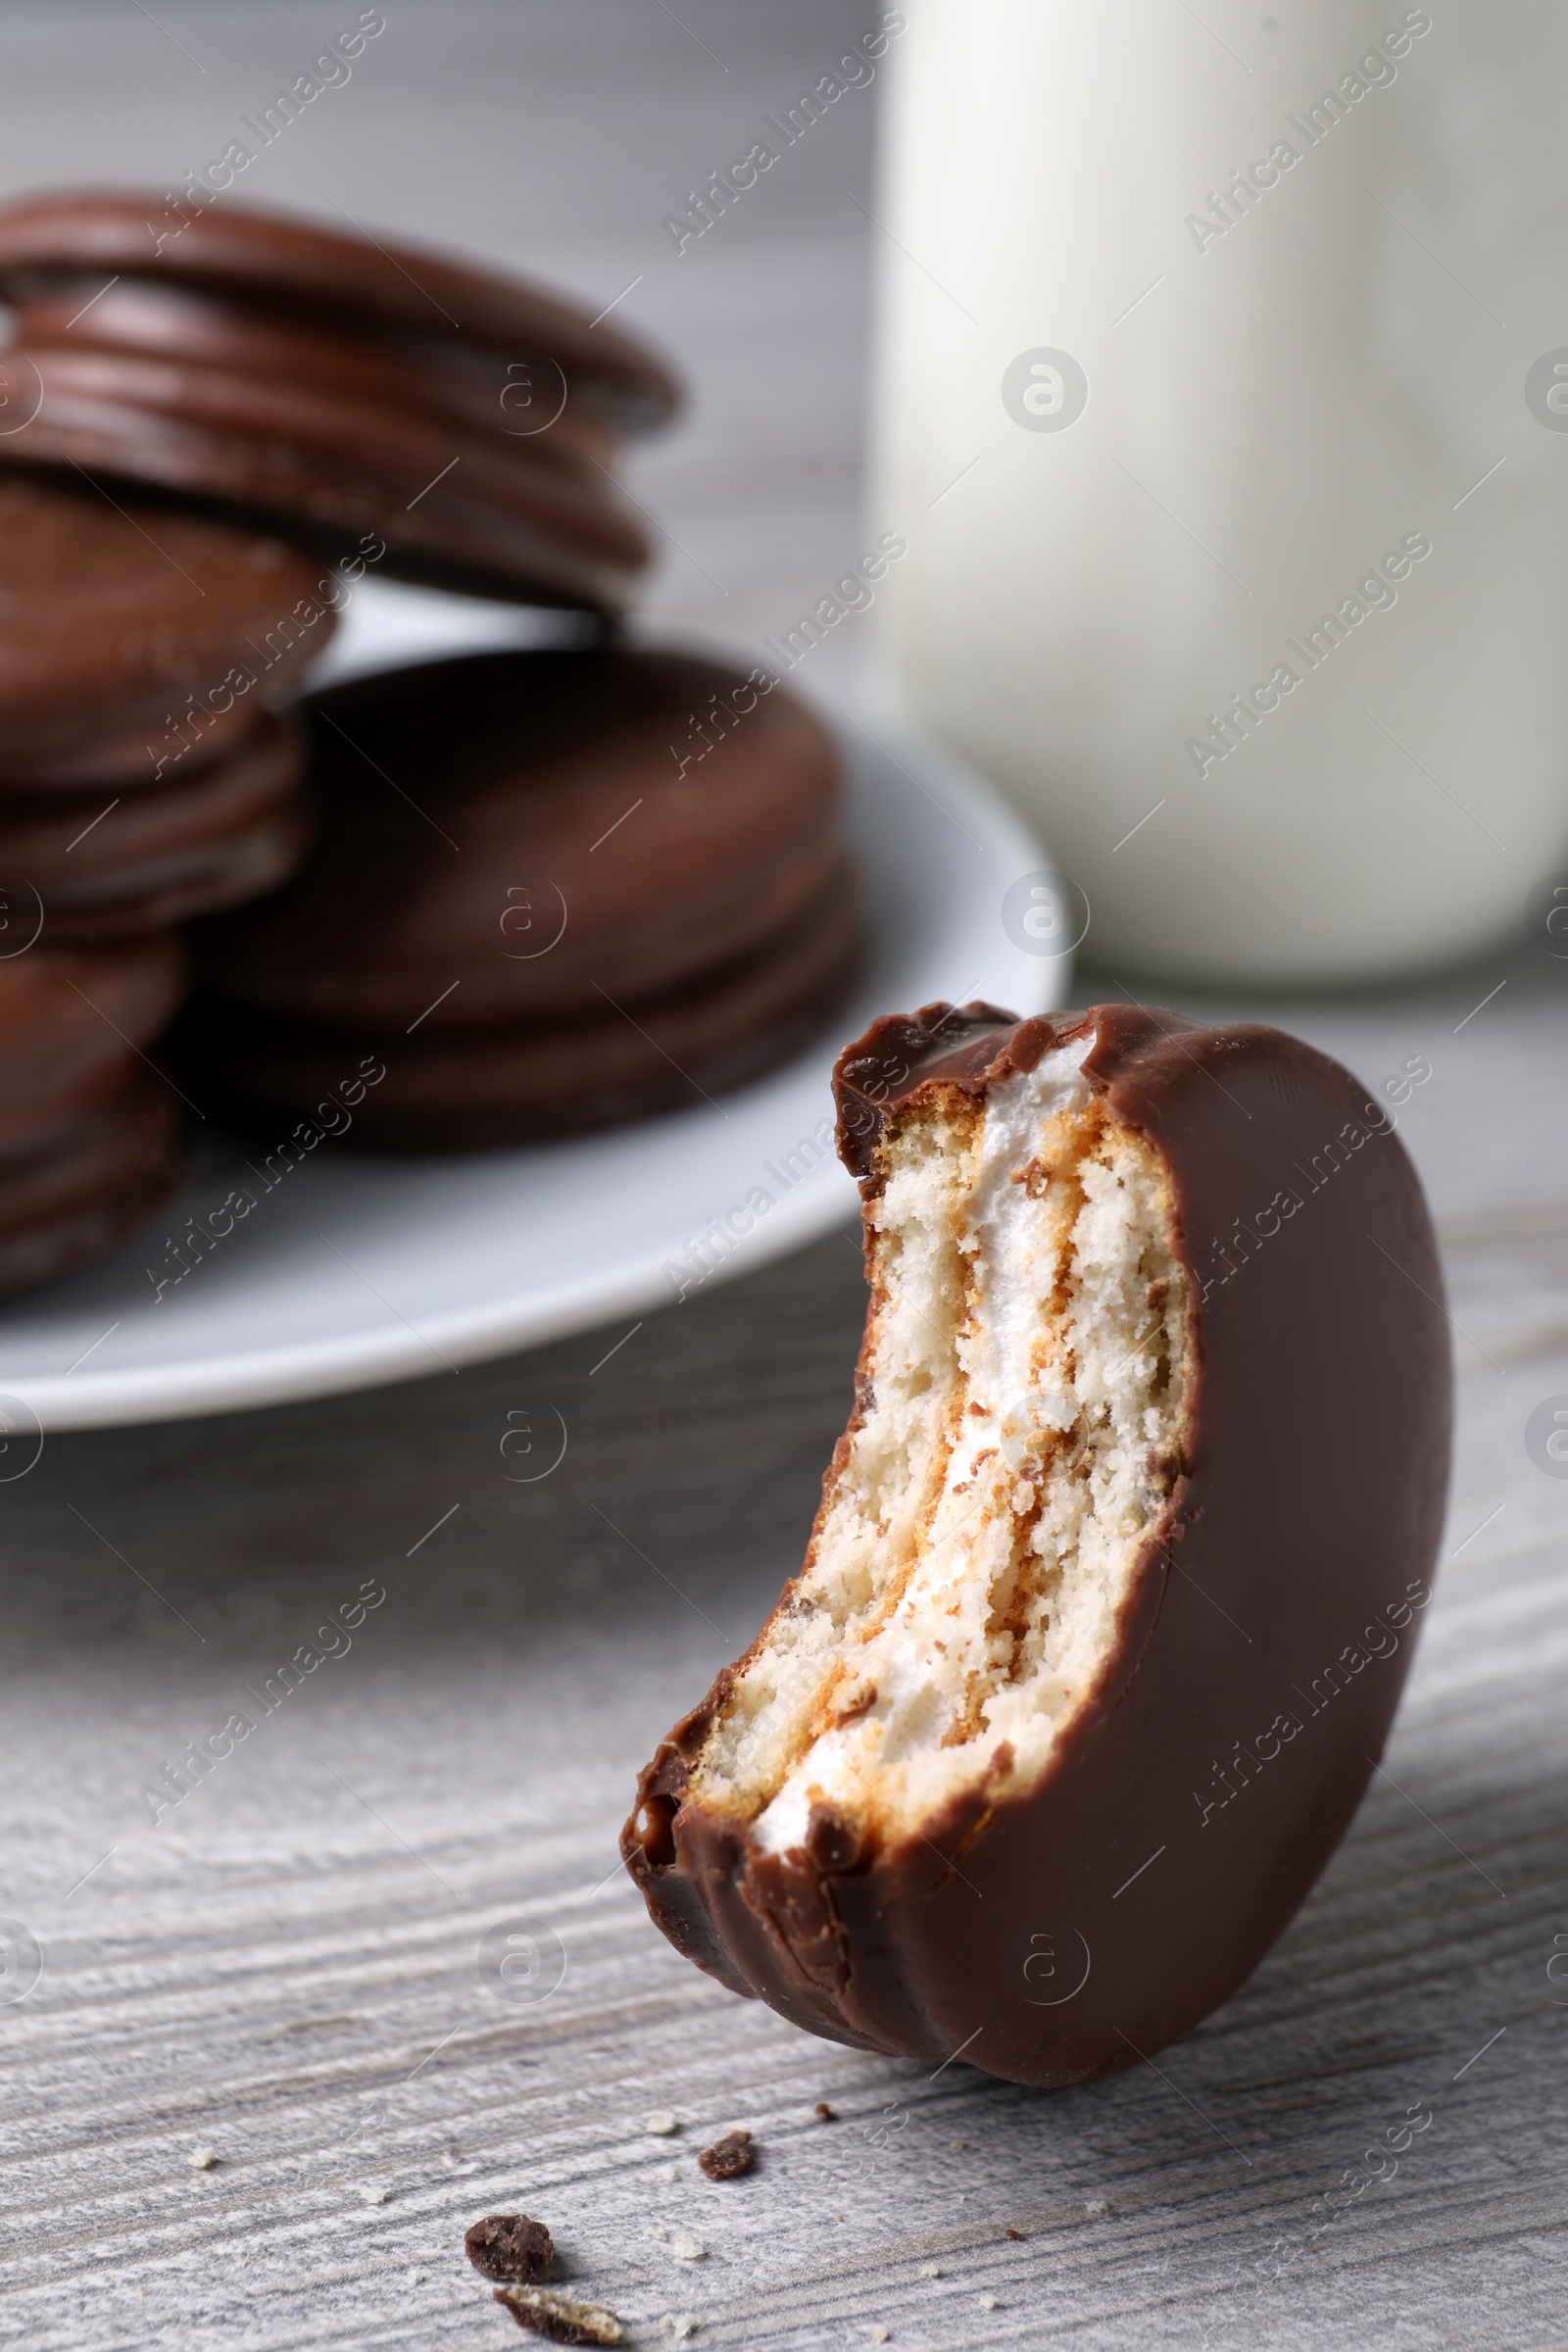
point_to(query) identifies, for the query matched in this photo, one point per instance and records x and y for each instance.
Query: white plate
(353, 1271)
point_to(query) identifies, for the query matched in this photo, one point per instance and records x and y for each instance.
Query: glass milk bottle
(1222, 398)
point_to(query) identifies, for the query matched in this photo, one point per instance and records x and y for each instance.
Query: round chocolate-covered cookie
(445, 1089)
(474, 386)
(228, 830)
(73, 1023)
(538, 833)
(330, 384)
(1119, 1563)
(84, 1187)
(453, 507)
(157, 629)
(193, 730)
(278, 258)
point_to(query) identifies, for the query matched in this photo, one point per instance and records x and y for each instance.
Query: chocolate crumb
(1016, 2234)
(509, 2245)
(543, 2312)
(825, 2114)
(728, 2158)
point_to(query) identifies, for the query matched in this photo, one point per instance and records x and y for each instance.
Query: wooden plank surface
(295, 1968)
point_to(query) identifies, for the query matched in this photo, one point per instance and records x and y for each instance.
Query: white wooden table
(292, 1971)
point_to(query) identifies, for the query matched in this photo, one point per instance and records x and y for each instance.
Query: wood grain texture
(292, 1970)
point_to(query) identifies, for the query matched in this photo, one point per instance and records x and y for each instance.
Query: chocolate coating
(185, 736)
(478, 1089)
(473, 386)
(84, 1187)
(510, 833)
(454, 505)
(72, 1023)
(108, 625)
(143, 860)
(1072, 1928)
(247, 249)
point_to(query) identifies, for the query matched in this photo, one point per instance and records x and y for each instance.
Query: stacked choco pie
(547, 890)
(332, 386)
(550, 924)
(125, 807)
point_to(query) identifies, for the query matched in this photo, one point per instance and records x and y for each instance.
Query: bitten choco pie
(993, 1778)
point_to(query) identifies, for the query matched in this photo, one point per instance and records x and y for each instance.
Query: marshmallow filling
(1025, 1403)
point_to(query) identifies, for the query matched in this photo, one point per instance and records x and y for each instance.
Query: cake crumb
(372, 2196)
(989, 2303)
(661, 2123)
(687, 2249)
(655, 2230)
(879, 2335)
(544, 2313)
(680, 2323)
(509, 2246)
(928, 2269)
(1016, 2234)
(825, 2114)
(202, 2159)
(1094, 2205)
(960, 2144)
(728, 2158)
